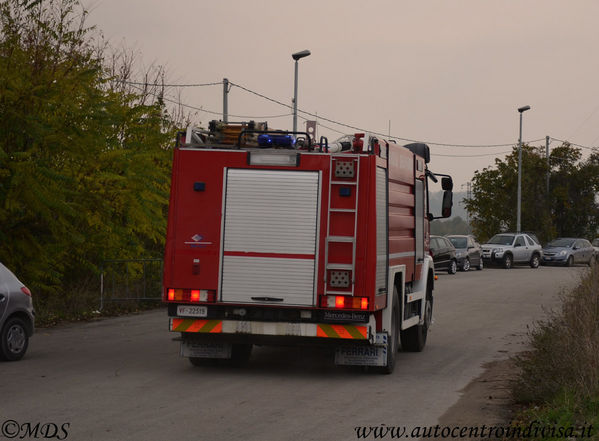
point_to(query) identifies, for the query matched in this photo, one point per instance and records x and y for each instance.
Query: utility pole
(547, 157)
(225, 100)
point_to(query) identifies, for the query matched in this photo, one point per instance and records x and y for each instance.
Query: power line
(139, 83)
(577, 145)
(359, 129)
(474, 156)
(377, 133)
(200, 109)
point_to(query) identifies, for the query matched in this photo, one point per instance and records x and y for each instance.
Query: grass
(558, 383)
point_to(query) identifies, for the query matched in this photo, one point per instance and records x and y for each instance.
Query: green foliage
(84, 168)
(570, 208)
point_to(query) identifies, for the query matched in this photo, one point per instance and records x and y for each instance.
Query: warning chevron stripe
(194, 325)
(342, 331)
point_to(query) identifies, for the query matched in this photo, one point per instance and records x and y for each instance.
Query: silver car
(568, 251)
(16, 316)
(507, 249)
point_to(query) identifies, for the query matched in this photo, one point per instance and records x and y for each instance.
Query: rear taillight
(344, 302)
(25, 290)
(190, 295)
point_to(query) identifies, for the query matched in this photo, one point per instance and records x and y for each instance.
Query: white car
(507, 249)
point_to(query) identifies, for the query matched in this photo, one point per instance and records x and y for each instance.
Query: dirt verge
(485, 401)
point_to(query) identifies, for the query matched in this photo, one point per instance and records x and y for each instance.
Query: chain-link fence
(130, 280)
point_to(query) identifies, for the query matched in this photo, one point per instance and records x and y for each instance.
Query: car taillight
(190, 295)
(26, 291)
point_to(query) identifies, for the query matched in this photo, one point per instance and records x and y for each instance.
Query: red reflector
(26, 290)
(339, 301)
(171, 294)
(195, 295)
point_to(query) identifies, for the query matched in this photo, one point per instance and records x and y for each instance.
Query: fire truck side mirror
(447, 203)
(447, 184)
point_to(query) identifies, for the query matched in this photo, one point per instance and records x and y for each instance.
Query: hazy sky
(443, 71)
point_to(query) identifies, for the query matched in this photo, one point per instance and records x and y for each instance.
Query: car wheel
(466, 265)
(570, 261)
(480, 265)
(591, 260)
(13, 339)
(453, 267)
(534, 261)
(507, 261)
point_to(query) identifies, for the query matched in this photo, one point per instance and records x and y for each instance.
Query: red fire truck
(276, 240)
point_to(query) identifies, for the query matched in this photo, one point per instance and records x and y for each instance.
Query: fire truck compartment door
(270, 232)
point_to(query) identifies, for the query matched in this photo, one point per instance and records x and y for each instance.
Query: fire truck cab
(273, 239)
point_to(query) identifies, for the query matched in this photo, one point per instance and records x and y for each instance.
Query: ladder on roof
(342, 225)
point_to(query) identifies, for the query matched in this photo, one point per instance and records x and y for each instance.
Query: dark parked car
(443, 253)
(16, 316)
(568, 251)
(467, 251)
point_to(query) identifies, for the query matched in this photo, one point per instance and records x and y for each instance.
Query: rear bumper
(257, 331)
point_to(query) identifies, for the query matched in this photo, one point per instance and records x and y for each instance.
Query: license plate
(547, 258)
(192, 311)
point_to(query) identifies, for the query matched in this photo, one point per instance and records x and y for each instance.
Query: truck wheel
(13, 340)
(240, 354)
(414, 339)
(507, 261)
(534, 261)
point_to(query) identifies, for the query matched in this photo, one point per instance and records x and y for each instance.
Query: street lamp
(296, 57)
(521, 110)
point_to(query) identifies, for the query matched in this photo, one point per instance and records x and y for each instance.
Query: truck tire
(414, 339)
(507, 261)
(240, 354)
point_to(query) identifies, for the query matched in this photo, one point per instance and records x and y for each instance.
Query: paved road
(122, 379)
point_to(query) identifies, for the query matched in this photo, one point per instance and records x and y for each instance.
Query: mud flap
(363, 355)
(204, 350)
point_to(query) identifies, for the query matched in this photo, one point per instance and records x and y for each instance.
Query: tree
(84, 166)
(569, 209)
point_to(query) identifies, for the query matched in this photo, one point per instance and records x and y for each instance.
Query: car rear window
(458, 242)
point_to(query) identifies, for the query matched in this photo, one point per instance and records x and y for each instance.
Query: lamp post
(296, 57)
(521, 110)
